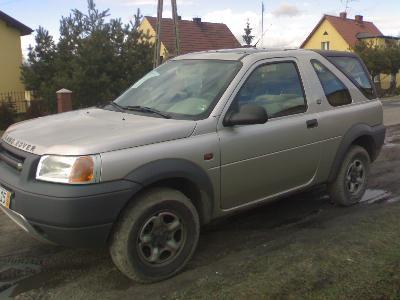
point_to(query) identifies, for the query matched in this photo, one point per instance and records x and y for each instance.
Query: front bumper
(23, 223)
(77, 237)
(69, 215)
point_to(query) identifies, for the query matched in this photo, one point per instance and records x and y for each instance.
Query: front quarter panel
(139, 163)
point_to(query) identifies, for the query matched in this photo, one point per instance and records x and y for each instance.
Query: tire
(159, 218)
(351, 182)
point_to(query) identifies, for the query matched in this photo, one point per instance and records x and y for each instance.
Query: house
(339, 33)
(194, 35)
(11, 31)
(342, 33)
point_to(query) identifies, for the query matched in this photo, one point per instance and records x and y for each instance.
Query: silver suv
(202, 136)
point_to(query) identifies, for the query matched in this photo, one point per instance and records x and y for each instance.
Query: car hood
(92, 131)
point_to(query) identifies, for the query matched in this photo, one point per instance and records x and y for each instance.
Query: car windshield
(187, 89)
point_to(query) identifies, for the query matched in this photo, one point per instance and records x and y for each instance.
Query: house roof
(195, 36)
(25, 30)
(349, 29)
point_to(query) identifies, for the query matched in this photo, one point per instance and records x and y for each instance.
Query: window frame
(306, 106)
(337, 78)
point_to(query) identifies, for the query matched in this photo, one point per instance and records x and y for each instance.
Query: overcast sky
(287, 23)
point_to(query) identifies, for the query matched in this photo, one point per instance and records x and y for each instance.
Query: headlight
(69, 169)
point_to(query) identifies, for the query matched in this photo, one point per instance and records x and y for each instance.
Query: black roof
(25, 30)
(333, 53)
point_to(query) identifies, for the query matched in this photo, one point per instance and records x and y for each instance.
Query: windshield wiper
(117, 106)
(145, 109)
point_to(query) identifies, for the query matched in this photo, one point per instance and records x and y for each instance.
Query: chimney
(180, 18)
(197, 20)
(359, 19)
(343, 15)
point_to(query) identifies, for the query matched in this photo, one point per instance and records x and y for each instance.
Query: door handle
(312, 123)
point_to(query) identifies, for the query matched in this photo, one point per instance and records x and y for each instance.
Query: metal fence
(19, 101)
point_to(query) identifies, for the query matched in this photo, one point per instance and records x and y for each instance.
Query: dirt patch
(299, 247)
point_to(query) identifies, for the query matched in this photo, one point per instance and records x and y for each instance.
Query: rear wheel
(351, 182)
(156, 236)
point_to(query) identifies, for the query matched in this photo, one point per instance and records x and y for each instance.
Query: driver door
(261, 161)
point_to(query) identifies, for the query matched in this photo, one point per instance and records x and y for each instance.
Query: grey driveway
(391, 110)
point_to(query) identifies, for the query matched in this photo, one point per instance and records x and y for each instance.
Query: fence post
(64, 100)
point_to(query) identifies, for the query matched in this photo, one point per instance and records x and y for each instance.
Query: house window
(325, 45)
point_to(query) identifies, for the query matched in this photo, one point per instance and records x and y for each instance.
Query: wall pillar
(64, 100)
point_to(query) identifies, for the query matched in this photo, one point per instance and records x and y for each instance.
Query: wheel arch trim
(165, 169)
(376, 135)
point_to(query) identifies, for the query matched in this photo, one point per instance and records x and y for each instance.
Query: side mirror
(248, 114)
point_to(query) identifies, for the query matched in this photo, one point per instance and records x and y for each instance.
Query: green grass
(332, 260)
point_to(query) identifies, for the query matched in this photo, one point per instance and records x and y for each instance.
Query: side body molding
(165, 169)
(375, 135)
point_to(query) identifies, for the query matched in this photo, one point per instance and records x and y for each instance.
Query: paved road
(391, 111)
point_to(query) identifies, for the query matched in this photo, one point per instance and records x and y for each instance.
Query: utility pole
(158, 34)
(176, 27)
(175, 17)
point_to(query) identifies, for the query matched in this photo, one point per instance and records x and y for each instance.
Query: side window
(276, 87)
(353, 69)
(335, 91)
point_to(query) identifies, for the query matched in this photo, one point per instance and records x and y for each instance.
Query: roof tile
(195, 37)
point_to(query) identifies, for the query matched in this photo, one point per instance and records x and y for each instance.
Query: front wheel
(351, 182)
(156, 235)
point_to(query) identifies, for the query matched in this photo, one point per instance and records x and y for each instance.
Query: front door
(262, 161)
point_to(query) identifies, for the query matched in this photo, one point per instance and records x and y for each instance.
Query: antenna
(262, 23)
(347, 4)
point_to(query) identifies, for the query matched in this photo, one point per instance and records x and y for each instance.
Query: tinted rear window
(355, 71)
(335, 91)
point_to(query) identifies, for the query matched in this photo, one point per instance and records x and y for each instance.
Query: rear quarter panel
(335, 122)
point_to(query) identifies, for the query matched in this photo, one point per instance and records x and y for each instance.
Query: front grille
(12, 159)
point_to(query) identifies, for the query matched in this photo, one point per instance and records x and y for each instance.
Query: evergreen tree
(38, 74)
(96, 57)
(137, 19)
(247, 37)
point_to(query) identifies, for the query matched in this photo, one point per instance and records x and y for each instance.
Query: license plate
(5, 197)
